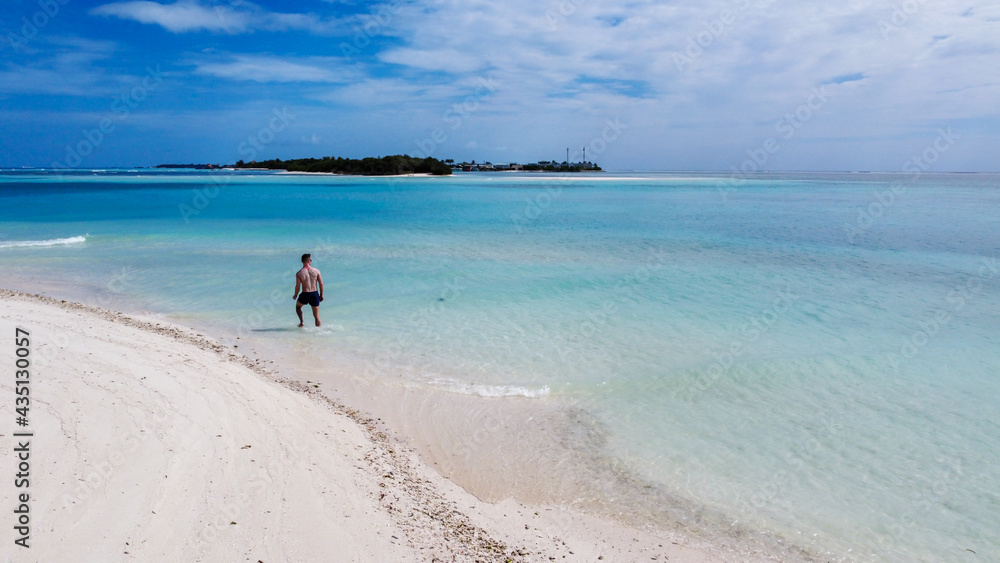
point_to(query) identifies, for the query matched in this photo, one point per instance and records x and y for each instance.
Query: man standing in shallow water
(308, 278)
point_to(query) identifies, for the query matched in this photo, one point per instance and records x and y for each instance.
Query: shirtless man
(308, 278)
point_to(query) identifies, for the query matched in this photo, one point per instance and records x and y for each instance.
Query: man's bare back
(308, 277)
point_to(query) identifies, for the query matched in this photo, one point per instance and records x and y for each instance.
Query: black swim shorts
(310, 298)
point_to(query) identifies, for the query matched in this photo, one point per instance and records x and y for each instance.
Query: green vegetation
(194, 166)
(553, 166)
(383, 166)
(543, 166)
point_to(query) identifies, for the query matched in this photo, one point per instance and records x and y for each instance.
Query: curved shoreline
(195, 450)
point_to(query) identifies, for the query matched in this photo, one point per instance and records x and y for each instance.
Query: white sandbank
(153, 442)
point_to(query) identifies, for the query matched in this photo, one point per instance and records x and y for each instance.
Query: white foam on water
(321, 330)
(456, 386)
(49, 242)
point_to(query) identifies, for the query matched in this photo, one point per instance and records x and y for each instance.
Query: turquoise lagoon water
(814, 356)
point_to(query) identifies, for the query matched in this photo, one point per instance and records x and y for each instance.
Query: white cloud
(265, 68)
(65, 66)
(563, 62)
(436, 59)
(189, 15)
(180, 17)
(392, 93)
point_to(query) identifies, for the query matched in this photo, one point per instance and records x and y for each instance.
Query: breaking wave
(49, 242)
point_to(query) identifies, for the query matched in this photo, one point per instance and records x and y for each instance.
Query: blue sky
(686, 85)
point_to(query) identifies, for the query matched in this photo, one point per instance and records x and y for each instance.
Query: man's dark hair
(306, 257)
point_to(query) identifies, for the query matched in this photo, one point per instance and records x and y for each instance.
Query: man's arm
(298, 284)
(319, 281)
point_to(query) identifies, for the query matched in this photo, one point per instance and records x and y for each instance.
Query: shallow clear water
(812, 355)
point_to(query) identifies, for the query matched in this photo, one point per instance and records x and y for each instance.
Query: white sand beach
(152, 442)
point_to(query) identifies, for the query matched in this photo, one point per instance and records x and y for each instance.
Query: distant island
(394, 165)
(194, 166)
(383, 166)
(541, 166)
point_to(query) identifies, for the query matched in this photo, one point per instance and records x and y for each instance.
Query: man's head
(306, 258)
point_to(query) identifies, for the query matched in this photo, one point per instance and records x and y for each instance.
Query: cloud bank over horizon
(736, 84)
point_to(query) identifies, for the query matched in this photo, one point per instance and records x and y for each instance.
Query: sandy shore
(153, 442)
